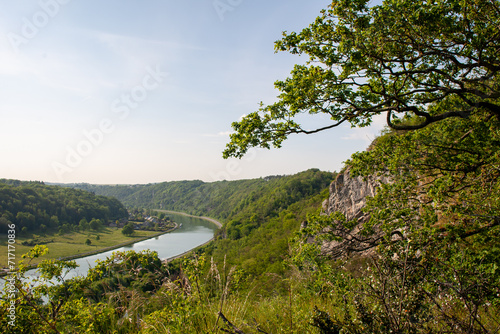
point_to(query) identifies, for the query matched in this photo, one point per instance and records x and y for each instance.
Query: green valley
(404, 239)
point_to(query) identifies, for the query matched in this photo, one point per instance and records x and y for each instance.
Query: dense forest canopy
(34, 205)
(222, 199)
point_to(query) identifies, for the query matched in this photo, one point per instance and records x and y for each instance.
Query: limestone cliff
(348, 195)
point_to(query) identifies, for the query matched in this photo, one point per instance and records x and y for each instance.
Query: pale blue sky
(145, 91)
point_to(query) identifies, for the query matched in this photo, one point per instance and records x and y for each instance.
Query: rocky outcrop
(348, 195)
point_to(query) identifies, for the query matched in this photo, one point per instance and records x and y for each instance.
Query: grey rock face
(348, 195)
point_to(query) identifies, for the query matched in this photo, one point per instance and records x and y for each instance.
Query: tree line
(34, 206)
(243, 204)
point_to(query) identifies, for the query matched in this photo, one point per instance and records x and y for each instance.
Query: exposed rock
(348, 195)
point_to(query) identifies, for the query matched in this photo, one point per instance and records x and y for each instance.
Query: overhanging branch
(428, 118)
(308, 132)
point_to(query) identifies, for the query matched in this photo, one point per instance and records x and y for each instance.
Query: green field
(70, 244)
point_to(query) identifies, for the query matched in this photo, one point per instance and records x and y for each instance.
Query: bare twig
(227, 322)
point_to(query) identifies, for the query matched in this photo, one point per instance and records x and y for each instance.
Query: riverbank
(218, 224)
(214, 221)
(123, 244)
(5, 271)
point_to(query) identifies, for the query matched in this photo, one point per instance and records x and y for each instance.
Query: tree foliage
(439, 181)
(443, 199)
(128, 229)
(31, 204)
(432, 68)
(225, 200)
(427, 59)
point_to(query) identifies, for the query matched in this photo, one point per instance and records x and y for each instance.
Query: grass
(70, 244)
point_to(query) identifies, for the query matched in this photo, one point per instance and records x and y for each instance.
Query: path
(216, 222)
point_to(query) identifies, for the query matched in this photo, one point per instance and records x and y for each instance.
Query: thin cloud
(219, 134)
(367, 134)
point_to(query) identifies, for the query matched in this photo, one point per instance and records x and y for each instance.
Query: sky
(128, 91)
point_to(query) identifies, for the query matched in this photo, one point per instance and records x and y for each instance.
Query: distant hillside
(223, 200)
(259, 215)
(33, 205)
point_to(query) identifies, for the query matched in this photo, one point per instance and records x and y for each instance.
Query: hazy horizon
(138, 93)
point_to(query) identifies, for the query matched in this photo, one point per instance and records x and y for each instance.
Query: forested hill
(222, 199)
(259, 215)
(33, 206)
(250, 203)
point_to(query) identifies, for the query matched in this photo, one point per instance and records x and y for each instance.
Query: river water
(193, 233)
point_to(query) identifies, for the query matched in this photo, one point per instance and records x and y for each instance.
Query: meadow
(72, 245)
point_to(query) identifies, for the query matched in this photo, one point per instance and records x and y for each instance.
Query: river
(194, 232)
